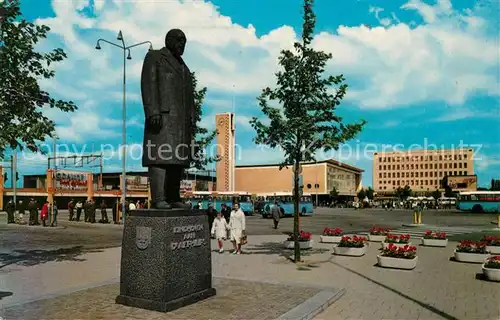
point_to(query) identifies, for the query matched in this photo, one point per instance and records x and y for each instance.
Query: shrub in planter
(304, 238)
(332, 235)
(399, 241)
(469, 251)
(492, 244)
(404, 257)
(435, 239)
(351, 246)
(491, 268)
(378, 234)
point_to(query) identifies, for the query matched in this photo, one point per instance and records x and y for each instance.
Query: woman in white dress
(237, 227)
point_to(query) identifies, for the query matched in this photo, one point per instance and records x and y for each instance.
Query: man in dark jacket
(32, 208)
(226, 212)
(275, 213)
(212, 213)
(10, 208)
(71, 208)
(170, 119)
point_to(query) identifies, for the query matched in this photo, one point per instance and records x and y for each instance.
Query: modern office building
(423, 170)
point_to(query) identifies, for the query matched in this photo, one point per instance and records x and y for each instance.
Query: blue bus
(479, 201)
(205, 198)
(285, 201)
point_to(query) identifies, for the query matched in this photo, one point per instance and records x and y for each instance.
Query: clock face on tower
(221, 122)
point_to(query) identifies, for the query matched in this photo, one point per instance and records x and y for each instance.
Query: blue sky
(420, 72)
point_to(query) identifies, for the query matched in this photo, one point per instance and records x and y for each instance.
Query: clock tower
(225, 167)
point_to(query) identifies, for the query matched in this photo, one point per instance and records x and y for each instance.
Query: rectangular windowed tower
(224, 123)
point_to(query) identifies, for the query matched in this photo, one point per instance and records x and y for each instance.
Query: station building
(319, 178)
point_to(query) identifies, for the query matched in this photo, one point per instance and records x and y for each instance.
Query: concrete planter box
(330, 239)
(399, 245)
(375, 238)
(303, 244)
(397, 263)
(346, 251)
(491, 274)
(435, 242)
(471, 257)
(493, 249)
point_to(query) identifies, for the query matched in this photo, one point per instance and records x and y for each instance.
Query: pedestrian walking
(79, 207)
(114, 211)
(211, 212)
(226, 212)
(104, 215)
(276, 213)
(10, 208)
(71, 208)
(33, 210)
(54, 211)
(237, 227)
(219, 231)
(92, 208)
(44, 213)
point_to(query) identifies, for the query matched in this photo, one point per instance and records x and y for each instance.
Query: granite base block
(162, 306)
(166, 259)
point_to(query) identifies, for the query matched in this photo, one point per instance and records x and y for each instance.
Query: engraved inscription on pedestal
(142, 237)
(191, 236)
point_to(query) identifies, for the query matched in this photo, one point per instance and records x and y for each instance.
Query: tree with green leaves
(436, 194)
(370, 193)
(203, 136)
(22, 122)
(403, 193)
(361, 194)
(334, 193)
(448, 191)
(306, 121)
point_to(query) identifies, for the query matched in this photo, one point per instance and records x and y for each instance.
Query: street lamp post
(126, 56)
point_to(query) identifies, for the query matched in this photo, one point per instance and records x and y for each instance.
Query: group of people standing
(48, 213)
(228, 224)
(89, 209)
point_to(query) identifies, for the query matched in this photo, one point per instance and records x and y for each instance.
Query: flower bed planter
(346, 251)
(354, 246)
(435, 242)
(491, 274)
(330, 239)
(399, 245)
(471, 257)
(303, 244)
(492, 244)
(376, 238)
(378, 234)
(397, 263)
(493, 249)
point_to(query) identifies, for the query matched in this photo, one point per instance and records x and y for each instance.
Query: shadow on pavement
(420, 303)
(276, 248)
(34, 257)
(5, 294)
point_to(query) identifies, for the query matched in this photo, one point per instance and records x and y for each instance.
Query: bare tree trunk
(296, 211)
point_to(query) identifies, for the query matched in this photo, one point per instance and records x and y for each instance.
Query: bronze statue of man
(169, 109)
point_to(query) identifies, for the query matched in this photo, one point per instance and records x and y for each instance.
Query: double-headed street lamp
(126, 56)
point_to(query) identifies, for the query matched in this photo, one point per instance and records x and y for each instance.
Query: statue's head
(175, 41)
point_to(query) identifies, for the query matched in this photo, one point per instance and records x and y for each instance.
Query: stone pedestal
(166, 259)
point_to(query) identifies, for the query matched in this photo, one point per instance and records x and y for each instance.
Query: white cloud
(448, 58)
(483, 162)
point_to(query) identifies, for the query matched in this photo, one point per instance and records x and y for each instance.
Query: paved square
(235, 299)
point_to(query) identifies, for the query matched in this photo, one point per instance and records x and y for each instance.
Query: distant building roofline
(331, 161)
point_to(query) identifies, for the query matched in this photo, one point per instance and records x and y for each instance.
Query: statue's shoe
(161, 205)
(180, 205)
